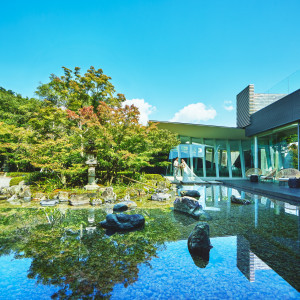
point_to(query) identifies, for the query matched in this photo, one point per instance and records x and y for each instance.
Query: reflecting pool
(62, 253)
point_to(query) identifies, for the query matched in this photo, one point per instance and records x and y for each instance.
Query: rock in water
(62, 196)
(239, 200)
(191, 193)
(49, 202)
(122, 222)
(108, 195)
(160, 197)
(39, 196)
(199, 243)
(192, 207)
(97, 201)
(81, 199)
(123, 206)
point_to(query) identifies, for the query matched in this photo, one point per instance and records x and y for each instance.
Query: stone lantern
(92, 163)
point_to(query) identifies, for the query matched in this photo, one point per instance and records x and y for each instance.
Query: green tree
(13, 146)
(52, 144)
(16, 110)
(74, 91)
(120, 142)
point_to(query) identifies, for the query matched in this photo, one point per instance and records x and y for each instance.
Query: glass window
(222, 158)
(210, 162)
(235, 159)
(279, 149)
(198, 154)
(248, 150)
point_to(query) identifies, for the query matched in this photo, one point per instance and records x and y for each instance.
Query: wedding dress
(188, 175)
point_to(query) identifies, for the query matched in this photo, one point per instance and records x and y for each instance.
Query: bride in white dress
(187, 174)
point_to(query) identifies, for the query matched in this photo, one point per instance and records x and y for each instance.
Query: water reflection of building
(266, 243)
(247, 261)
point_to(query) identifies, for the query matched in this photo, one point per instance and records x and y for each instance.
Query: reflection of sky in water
(173, 275)
(14, 283)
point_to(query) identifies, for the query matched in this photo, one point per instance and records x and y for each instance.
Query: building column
(204, 162)
(255, 152)
(191, 155)
(271, 149)
(242, 159)
(280, 159)
(216, 158)
(229, 158)
(298, 144)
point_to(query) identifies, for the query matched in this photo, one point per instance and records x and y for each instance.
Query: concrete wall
(243, 100)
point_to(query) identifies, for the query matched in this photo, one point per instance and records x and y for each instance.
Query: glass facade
(278, 149)
(211, 157)
(216, 158)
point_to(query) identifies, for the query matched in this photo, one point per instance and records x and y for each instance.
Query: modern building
(266, 137)
(248, 102)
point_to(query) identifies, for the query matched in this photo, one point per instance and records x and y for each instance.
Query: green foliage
(12, 146)
(119, 141)
(17, 174)
(74, 91)
(45, 181)
(81, 114)
(16, 180)
(156, 177)
(16, 110)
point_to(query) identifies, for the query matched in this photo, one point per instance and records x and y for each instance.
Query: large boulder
(124, 205)
(122, 222)
(239, 200)
(190, 193)
(25, 193)
(62, 196)
(160, 197)
(39, 197)
(96, 201)
(108, 195)
(81, 199)
(192, 207)
(21, 192)
(199, 244)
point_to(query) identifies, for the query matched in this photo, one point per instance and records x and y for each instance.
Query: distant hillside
(16, 110)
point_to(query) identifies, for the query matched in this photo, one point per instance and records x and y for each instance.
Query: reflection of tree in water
(83, 264)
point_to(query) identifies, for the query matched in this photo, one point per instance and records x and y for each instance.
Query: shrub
(156, 177)
(17, 174)
(16, 180)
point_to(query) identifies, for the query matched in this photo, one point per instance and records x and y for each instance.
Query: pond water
(61, 253)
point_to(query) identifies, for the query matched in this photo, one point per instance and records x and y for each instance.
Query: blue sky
(193, 55)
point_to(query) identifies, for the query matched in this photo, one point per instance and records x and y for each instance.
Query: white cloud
(228, 105)
(194, 113)
(144, 108)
